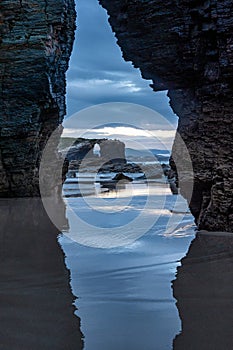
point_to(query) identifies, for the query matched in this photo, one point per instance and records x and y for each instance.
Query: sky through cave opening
(98, 74)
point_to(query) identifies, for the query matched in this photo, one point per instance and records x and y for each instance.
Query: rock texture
(36, 39)
(80, 149)
(186, 46)
(111, 150)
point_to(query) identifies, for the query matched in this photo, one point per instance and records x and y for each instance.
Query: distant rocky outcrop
(110, 150)
(111, 158)
(122, 178)
(80, 149)
(113, 150)
(36, 40)
(187, 48)
(82, 156)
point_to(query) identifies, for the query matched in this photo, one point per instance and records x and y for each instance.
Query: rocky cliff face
(36, 39)
(187, 48)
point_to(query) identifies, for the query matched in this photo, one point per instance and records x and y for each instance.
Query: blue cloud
(98, 73)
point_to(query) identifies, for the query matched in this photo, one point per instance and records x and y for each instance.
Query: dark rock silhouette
(186, 47)
(36, 301)
(204, 293)
(78, 153)
(81, 148)
(36, 39)
(112, 151)
(122, 178)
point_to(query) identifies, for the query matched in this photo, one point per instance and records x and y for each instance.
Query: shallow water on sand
(125, 299)
(124, 292)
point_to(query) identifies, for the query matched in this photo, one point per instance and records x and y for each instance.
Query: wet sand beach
(124, 293)
(36, 302)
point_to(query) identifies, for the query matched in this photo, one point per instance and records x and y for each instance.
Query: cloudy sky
(98, 74)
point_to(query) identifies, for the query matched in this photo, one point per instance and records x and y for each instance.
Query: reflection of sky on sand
(125, 211)
(130, 210)
(125, 300)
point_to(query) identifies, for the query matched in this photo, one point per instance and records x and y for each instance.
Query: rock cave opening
(99, 74)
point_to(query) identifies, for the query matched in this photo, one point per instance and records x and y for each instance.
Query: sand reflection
(36, 303)
(204, 292)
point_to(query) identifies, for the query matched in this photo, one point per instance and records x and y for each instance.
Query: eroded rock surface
(187, 48)
(111, 150)
(36, 39)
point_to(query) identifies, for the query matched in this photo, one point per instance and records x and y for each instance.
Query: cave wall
(36, 39)
(186, 47)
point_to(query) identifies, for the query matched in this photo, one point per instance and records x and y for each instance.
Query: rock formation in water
(36, 39)
(186, 46)
(111, 150)
(111, 157)
(80, 149)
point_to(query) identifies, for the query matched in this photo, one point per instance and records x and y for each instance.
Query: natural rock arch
(111, 150)
(184, 46)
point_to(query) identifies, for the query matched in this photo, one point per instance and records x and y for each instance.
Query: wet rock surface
(36, 39)
(187, 48)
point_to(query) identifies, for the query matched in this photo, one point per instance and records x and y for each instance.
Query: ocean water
(123, 254)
